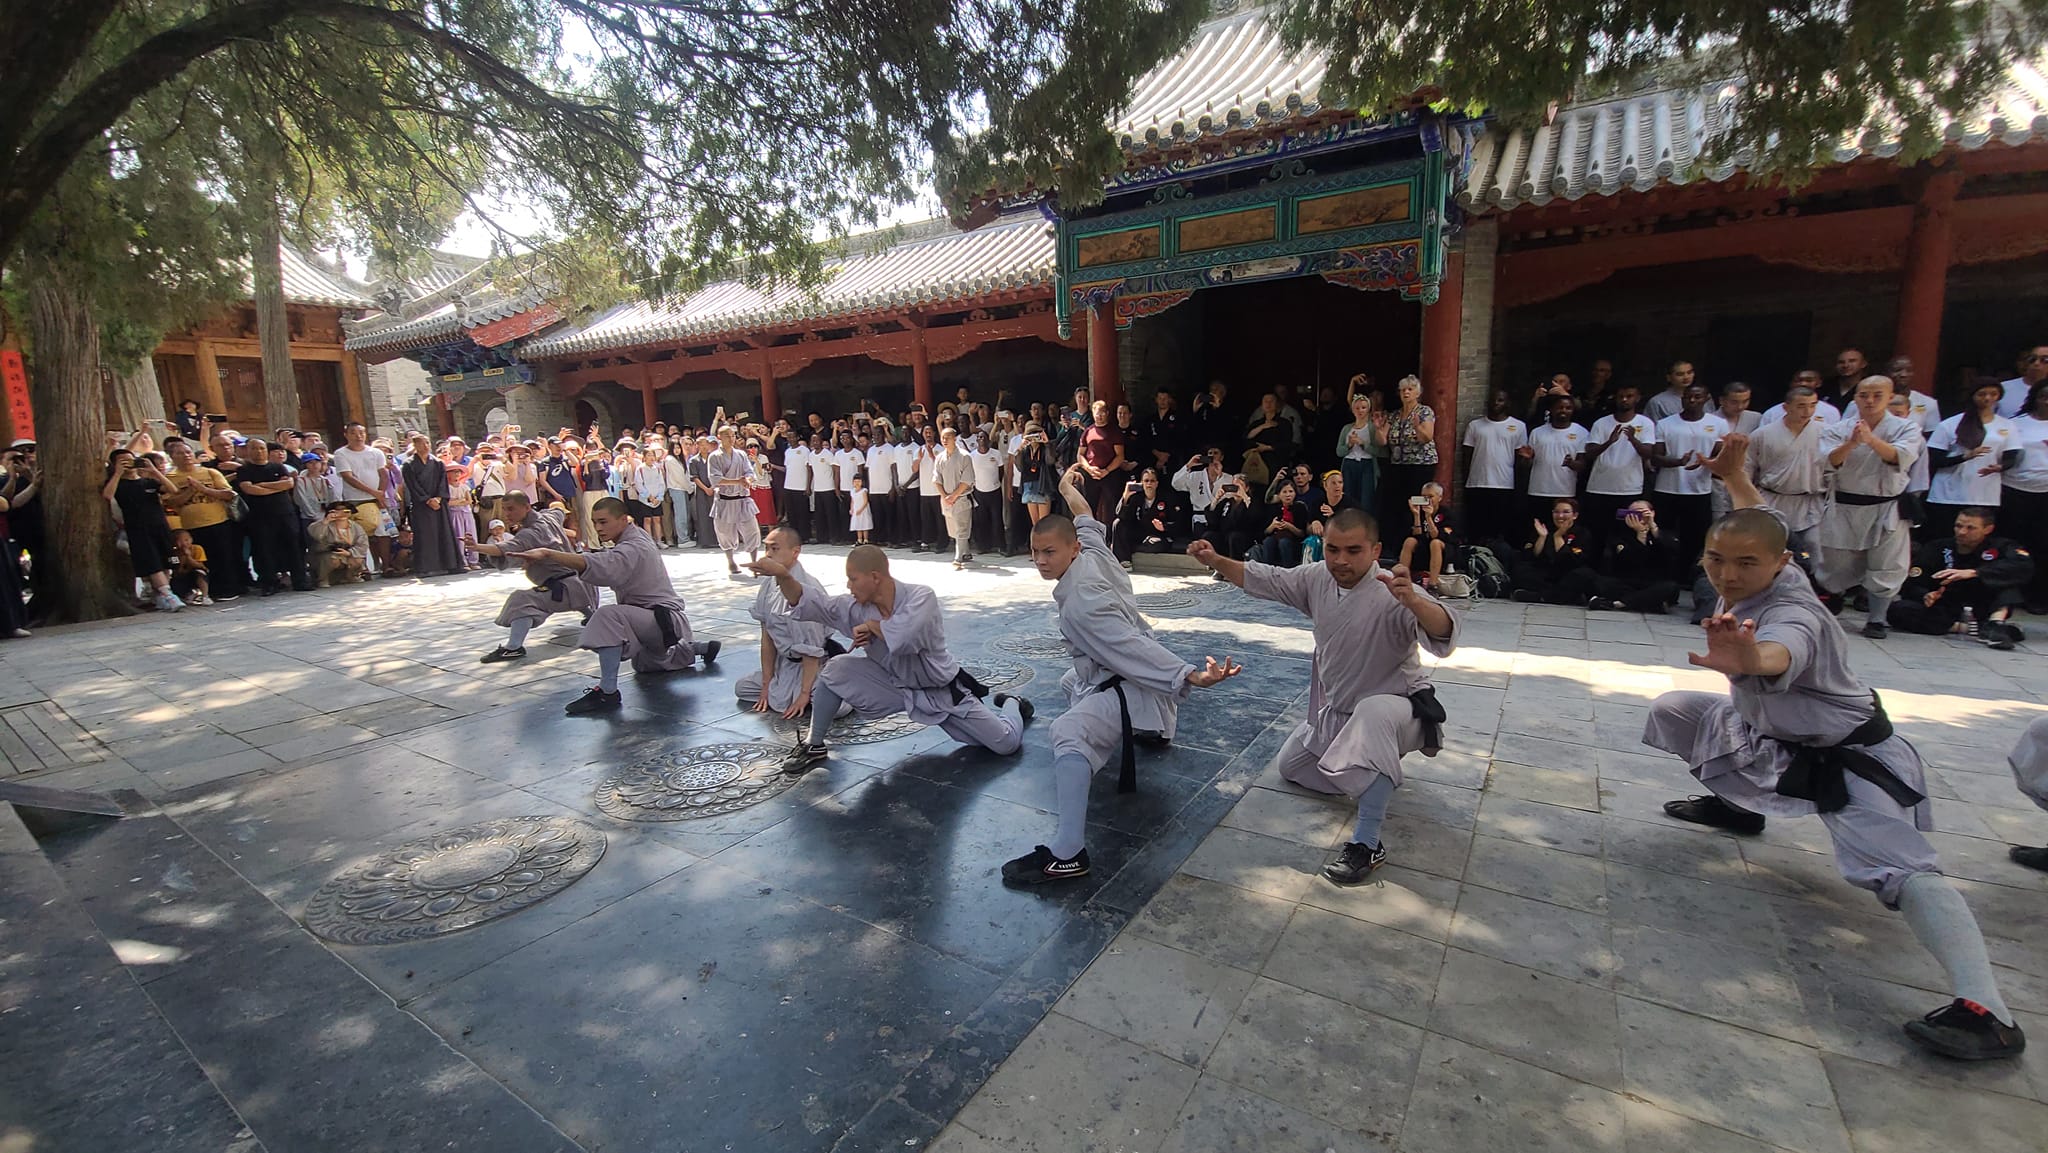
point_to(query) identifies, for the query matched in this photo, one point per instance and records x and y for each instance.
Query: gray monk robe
(1741, 746)
(793, 639)
(648, 622)
(1110, 641)
(1791, 471)
(1863, 537)
(557, 587)
(907, 669)
(1361, 715)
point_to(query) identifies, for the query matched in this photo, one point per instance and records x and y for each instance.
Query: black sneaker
(1024, 709)
(710, 652)
(1040, 867)
(1967, 1031)
(1355, 863)
(501, 653)
(1525, 597)
(802, 758)
(593, 700)
(2032, 858)
(1876, 630)
(1712, 810)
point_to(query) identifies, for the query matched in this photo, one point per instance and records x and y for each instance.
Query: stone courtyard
(620, 933)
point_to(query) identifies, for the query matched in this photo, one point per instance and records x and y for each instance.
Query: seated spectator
(1545, 572)
(188, 569)
(1301, 476)
(1286, 524)
(1327, 501)
(1638, 562)
(1148, 518)
(1973, 570)
(341, 549)
(1231, 518)
(1430, 535)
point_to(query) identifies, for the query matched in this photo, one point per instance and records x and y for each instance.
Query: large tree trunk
(86, 579)
(139, 399)
(273, 326)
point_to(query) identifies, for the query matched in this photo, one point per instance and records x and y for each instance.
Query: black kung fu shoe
(1040, 867)
(1967, 1031)
(2033, 857)
(501, 653)
(1876, 630)
(710, 652)
(1712, 810)
(803, 758)
(593, 700)
(1024, 709)
(1355, 863)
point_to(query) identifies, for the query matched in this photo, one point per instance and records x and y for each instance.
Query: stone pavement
(1546, 963)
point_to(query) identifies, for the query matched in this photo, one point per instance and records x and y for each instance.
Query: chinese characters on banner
(15, 379)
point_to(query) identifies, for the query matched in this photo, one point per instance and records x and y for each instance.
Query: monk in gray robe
(1369, 702)
(792, 651)
(899, 662)
(733, 515)
(646, 626)
(1789, 467)
(1123, 681)
(2029, 761)
(1799, 735)
(1864, 539)
(557, 588)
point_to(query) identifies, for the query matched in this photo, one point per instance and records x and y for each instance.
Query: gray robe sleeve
(1093, 623)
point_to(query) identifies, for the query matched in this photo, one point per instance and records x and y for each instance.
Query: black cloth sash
(1430, 711)
(1864, 498)
(964, 685)
(1818, 772)
(557, 586)
(1127, 771)
(665, 619)
(741, 496)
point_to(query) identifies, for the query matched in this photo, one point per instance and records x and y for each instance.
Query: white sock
(608, 659)
(824, 710)
(517, 639)
(1071, 777)
(1942, 920)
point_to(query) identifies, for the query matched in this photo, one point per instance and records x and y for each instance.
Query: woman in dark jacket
(1286, 525)
(1149, 518)
(1544, 571)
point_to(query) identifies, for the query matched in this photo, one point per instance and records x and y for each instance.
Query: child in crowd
(861, 519)
(188, 573)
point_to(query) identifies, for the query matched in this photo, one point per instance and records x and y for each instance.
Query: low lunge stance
(646, 626)
(1798, 735)
(1369, 701)
(557, 588)
(1123, 681)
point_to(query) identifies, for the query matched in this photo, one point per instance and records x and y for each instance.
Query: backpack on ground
(1489, 576)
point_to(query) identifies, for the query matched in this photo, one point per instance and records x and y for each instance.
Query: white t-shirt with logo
(906, 465)
(850, 461)
(1680, 436)
(1493, 444)
(2031, 474)
(366, 464)
(1548, 474)
(1619, 470)
(882, 469)
(1962, 483)
(988, 470)
(796, 469)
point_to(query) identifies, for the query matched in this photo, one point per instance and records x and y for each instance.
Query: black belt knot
(1818, 773)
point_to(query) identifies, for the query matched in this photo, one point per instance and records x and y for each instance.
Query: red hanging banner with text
(15, 378)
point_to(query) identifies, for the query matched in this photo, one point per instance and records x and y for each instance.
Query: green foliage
(1812, 73)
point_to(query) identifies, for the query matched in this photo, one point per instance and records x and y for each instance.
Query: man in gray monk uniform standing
(1799, 735)
(1864, 539)
(1123, 681)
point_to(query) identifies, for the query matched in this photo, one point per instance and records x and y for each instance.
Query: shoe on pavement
(1355, 862)
(1024, 709)
(803, 758)
(168, 602)
(1967, 1031)
(1040, 867)
(2031, 857)
(1876, 630)
(710, 651)
(593, 700)
(501, 653)
(1712, 810)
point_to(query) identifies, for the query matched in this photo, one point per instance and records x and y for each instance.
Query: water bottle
(1969, 621)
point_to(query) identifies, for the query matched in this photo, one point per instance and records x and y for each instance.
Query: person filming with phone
(1431, 535)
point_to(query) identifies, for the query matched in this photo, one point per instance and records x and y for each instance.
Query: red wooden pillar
(771, 396)
(1440, 322)
(1102, 371)
(1923, 289)
(920, 369)
(444, 415)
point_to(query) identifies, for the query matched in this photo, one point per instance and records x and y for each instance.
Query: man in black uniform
(1971, 569)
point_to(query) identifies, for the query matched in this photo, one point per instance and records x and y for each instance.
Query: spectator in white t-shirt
(1620, 446)
(2024, 506)
(1967, 454)
(1493, 506)
(796, 488)
(1684, 497)
(360, 469)
(1556, 456)
(2017, 393)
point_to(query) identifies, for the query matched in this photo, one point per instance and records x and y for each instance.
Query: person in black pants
(1973, 569)
(273, 520)
(1545, 572)
(1230, 519)
(1638, 563)
(1148, 519)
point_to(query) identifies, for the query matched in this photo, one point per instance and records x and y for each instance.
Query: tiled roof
(953, 267)
(444, 321)
(1638, 141)
(1235, 75)
(305, 282)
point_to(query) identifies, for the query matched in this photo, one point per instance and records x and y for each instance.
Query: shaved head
(1354, 520)
(1053, 526)
(795, 538)
(1752, 524)
(867, 558)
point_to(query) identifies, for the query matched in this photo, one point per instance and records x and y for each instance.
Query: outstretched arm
(1216, 562)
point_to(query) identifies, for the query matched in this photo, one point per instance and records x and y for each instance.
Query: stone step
(1168, 564)
(91, 1064)
(309, 1053)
